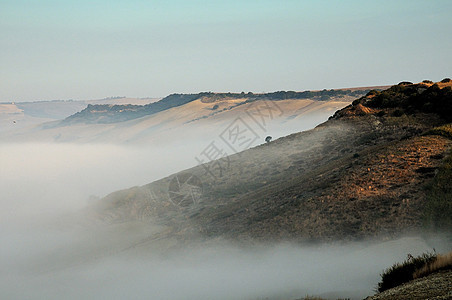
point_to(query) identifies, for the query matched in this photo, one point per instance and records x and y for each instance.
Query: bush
(427, 81)
(373, 93)
(356, 102)
(446, 80)
(405, 83)
(404, 272)
(397, 113)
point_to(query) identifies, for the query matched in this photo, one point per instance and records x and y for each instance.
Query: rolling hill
(378, 168)
(199, 117)
(18, 115)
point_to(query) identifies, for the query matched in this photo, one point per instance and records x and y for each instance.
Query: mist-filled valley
(66, 232)
(51, 250)
(198, 150)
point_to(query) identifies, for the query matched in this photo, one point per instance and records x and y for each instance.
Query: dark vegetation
(413, 268)
(412, 98)
(401, 273)
(104, 113)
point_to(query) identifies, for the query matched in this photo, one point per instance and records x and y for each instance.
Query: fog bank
(48, 252)
(216, 272)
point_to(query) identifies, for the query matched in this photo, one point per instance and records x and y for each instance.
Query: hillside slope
(199, 120)
(362, 174)
(105, 114)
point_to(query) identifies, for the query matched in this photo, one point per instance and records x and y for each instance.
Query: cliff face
(376, 168)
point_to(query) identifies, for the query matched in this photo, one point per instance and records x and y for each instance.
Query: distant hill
(379, 167)
(191, 117)
(15, 115)
(104, 114)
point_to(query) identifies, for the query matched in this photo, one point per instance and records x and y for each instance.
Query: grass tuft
(442, 262)
(401, 273)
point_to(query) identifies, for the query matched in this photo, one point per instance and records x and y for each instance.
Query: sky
(83, 49)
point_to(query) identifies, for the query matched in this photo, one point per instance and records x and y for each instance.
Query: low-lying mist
(48, 252)
(45, 265)
(52, 178)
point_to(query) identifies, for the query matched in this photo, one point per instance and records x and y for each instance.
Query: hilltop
(188, 116)
(104, 114)
(378, 168)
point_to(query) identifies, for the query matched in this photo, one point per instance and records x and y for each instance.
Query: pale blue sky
(93, 49)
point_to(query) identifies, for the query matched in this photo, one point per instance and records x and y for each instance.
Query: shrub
(427, 81)
(397, 113)
(405, 83)
(404, 272)
(373, 93)
(446, 80)
(381, 113)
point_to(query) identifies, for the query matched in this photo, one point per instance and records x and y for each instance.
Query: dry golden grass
(445, 130)
(440, 263)
(440, 84)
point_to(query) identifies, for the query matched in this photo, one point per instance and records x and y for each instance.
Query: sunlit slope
(364, 173)
(194, 120)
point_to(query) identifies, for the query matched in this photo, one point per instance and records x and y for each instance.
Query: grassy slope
(361, 174)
